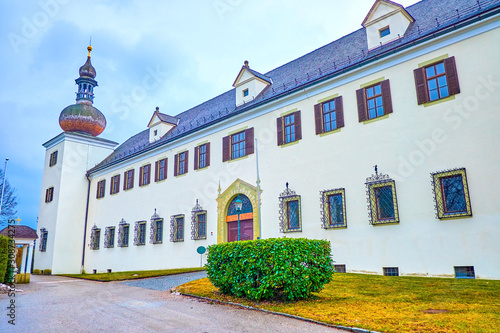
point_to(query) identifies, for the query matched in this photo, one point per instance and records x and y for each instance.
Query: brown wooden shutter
(118, 181)
(149, 173)
(132, 181)
(186, 163)
(98, 190)
(339, 110)
(279, 124)
(386, 96)
(165, 169)
(249, 146)
(298, 126)
(156, 170)
(125, 180)
(176, 164)
(225, 148)
(141, 173)
(196, 152)
(360, 96)
(451, 75)
(421, 85)
(318, 118)
(208, 154)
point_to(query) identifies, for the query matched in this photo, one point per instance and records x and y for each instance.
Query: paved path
(59, 304)
(164, 283)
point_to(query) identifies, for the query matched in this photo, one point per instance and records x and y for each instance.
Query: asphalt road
(59, 304)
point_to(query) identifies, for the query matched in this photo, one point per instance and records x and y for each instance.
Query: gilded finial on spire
(90, 46)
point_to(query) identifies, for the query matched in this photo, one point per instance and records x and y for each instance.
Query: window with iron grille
(115, 184)
(339, 268)
(101, 187)
(145, 175)
(451, 194)
(374, 101)
(95, 238)
(157, 231)
(391, 271)
(177, 228)
(181, 163)
(53, 159)
(464, 272)
(290, 211)
(382, 200)
(333, 211)
(123, 233)
(128, 180)
(202, 156)
(43, 240)
(198, 222)
(289, 128)
(237, 145)
(49, 194)
(436, 81)
(140, 233)
(161, 170)
(109, 237)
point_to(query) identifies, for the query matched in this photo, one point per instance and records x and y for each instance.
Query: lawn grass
(131, 275)
(389, 304)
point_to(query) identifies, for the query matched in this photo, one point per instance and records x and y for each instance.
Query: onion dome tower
(83, 117)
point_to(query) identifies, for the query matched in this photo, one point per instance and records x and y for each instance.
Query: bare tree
(9, 200)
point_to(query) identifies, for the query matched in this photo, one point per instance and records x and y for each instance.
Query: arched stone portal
(225, 216)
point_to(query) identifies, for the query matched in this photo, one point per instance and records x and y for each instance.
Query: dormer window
(384, 31)
(249, 84)
(245, 93)
(156, 132)
(160, 124)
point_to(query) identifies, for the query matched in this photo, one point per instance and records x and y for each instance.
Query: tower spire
(86, 82)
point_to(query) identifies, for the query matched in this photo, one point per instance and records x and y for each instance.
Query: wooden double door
(246, 230)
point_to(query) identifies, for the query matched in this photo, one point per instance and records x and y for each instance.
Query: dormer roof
(161, 117)
(246, 68)
(383, 8)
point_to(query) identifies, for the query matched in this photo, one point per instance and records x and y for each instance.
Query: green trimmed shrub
(36, 272)
(276, 268)
(4, 257)
(47, 272)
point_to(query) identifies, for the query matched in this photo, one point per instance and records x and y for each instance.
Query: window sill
(200, 169)
(161, 181)
(455, 216)
(336, 227)
(145, 185)
(379, 223)
(292, 230)
(330, 132)
(184, 174)
(439, 101)
(289, 144)
(369, 121)
(237, 159)
(128, 189)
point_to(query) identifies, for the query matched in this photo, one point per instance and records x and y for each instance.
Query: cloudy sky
(171, 54)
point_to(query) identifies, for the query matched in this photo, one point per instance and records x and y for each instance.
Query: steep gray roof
(432, 17)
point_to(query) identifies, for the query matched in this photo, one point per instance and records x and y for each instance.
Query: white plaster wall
(413, 142)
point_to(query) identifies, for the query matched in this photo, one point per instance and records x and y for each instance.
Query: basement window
(464, 272)
(339, 268)
(391, 271)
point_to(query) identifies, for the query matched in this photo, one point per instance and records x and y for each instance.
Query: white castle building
(384, 142)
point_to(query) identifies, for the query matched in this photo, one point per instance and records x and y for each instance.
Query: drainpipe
(258, 187)
(85, 228)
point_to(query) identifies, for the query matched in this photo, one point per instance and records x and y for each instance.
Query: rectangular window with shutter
(238, 145)
(374, 101)
(181, 163)
(101, 187)
(202, 156)
(329, 115)
(128, 180)
(145, 175)
(53, 159)
(115, 184)
(436, 81)
(161, 170)
(49, 194)
(289, 128)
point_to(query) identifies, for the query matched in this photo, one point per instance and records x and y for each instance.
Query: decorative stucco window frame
(195, 225)
(94, 238)
(155, 237)
(109, 237)
(439, 196)
(174, 220)
(137, 233)
(121, 233)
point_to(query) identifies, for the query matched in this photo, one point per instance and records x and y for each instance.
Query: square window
(382, 202)
(391, 271)
(333, 209)
(339, 268)
(245, 93)
(384, 32)
(451, 194)
(464, 272)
